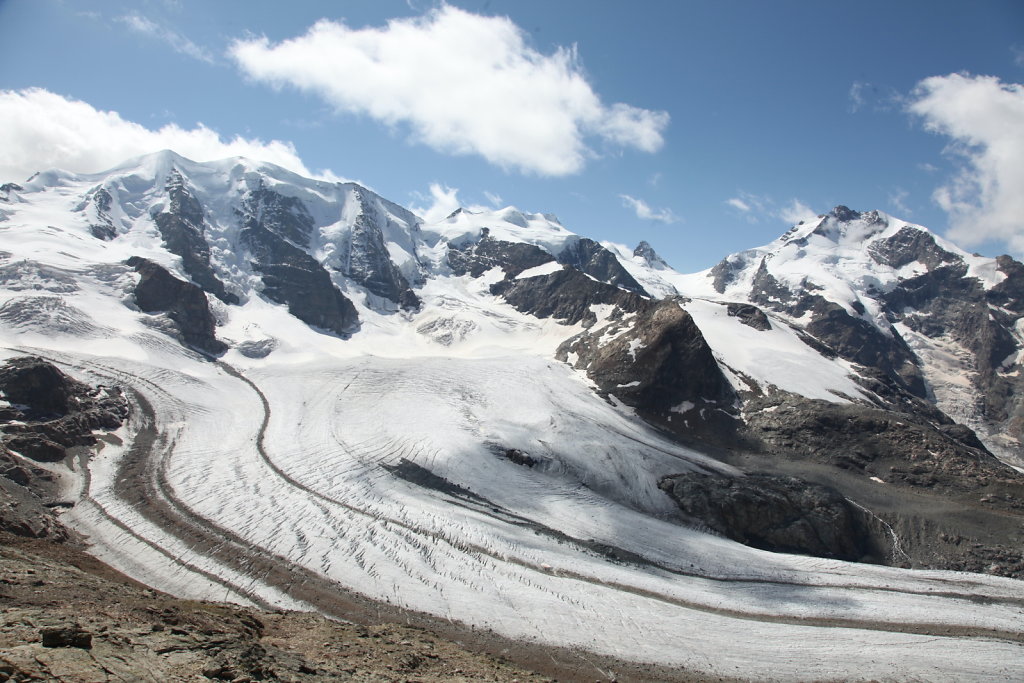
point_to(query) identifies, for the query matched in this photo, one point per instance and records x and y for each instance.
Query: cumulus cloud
(984, 118)
(178, 42)
(462, 83)
(43, 130)
(645, 213)
(795, 212)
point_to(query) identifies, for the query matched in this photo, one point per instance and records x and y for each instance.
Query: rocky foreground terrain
(67, 617)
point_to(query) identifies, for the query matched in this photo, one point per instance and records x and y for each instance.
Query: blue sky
(701, 127)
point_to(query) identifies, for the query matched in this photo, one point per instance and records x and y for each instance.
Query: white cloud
(795, 212)
(463, 83)
(646, 213)
(752, 207)
(40, 130)
(442, 201)
(738, 203)
(984, 118)
(494, 198)
(178, 42)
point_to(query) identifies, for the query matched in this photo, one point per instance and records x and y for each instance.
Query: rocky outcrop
(290, 275)
(48, 413)
(70, 618)
(749, 315)
(476, 258)
(892, 446)
(588, 256)
(909, 245)
(776, 513)
(184, 303)
(567, 295)
(183, 229)
(653, 360)
(858, 341)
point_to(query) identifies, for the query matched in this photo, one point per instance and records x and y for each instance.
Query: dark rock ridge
(588, 256)
(476, 258)
(183, 229)
(776, 513)
(271, 225)
(909, 245)
(650, 257)
(184, 303)
(656, 360)
(567, 295)
(365, 257)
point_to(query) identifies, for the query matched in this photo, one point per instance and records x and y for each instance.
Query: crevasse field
(380, 465)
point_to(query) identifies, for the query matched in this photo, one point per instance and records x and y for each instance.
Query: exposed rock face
(49, 414)
(909, 245)
(182, 227)
(567, 295)
(158, 291)
(476, 258)
(938, 498)
(946, 302)
(102, 227)
(892, 446)
(23, 510)
(290, 275)
(650, 257)
(856, 340)
(591, 258)
(749, 315)
(777, 513)
(365, 258)
(41, 387)
(656, 360)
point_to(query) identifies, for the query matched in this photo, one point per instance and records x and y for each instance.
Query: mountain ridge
(400, 407)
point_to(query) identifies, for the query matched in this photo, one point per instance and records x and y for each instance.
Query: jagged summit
(646, 252)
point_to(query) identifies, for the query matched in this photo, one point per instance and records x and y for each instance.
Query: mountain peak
(645, 251)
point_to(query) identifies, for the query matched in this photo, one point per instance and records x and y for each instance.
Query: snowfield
(441, 461)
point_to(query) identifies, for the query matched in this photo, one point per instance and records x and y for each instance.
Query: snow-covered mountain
(498, 421)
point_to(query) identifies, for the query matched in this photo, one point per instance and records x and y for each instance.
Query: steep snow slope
(438, 458)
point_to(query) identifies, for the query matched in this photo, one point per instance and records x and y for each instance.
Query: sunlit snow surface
(316, 454)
